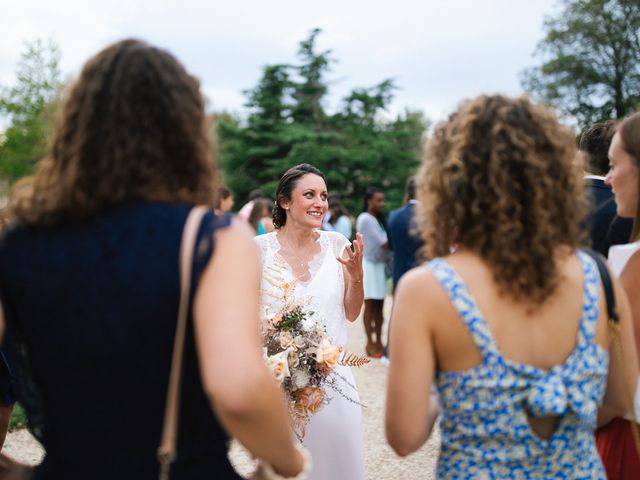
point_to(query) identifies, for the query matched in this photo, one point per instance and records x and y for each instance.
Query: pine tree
(287, 125)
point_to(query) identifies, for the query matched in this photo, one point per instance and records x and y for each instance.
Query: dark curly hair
(499, 178)
(133, 127)
(629, 131)
(287, 183)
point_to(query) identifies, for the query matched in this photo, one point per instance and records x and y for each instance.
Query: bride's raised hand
(352, 259)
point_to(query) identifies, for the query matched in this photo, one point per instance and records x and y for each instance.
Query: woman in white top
(615, 441)
(371, 224)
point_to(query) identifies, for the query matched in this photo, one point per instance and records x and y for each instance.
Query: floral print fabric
(484, 427)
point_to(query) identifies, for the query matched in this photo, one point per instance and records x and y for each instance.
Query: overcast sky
(438, 51)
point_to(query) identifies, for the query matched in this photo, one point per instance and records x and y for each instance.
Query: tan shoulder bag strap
(167, 449)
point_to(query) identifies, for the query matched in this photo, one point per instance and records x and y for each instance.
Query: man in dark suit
(403, 241)
(605, 227)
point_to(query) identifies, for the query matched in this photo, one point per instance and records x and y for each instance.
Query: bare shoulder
(633, 264)
(421, 287)
(630, 276)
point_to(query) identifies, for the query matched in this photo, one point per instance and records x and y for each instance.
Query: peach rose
(279, 366)
(309, 400)
(328, 354)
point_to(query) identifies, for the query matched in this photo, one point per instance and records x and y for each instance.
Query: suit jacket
(605, 227)
(403, 243)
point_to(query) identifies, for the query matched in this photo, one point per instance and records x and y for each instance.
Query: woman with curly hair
(89, 281)
(508, 318)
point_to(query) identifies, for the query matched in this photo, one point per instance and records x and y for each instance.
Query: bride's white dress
(334, 434)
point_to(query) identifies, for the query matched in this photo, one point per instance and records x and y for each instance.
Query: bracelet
(356, 281)
(269, 473)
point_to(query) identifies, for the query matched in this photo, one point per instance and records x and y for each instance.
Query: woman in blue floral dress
(508, 317)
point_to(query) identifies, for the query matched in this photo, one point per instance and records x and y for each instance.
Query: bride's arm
(353, 277)
(411, 409)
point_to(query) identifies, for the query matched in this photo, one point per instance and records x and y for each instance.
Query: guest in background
(259, 218)
(89, 280)
(246, 209)
(339, 219)
(372, 225)
(615, 440)
(404, 241)
(224, 200)
(605, 227)
(508, 317)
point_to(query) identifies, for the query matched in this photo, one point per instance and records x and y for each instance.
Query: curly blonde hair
(133, 127)
(499, 178)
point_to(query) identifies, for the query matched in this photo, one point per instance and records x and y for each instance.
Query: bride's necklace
(301, 262)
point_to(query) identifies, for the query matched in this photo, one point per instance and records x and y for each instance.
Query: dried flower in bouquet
(302, 358)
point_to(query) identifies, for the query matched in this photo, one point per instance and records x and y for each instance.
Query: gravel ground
(380, 461)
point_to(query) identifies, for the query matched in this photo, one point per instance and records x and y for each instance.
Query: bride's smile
(308, 203)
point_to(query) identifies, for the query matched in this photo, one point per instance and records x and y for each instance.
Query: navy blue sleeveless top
(96, 306)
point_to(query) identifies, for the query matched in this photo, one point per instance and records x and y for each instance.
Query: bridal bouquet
(302, 358)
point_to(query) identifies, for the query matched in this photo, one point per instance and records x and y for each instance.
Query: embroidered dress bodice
(485, 409)
(321, 286)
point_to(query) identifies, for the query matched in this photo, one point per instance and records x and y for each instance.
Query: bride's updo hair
(287, 183)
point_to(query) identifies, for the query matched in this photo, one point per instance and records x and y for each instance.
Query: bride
(320, 267)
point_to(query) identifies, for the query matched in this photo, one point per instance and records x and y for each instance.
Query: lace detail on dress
(302, 270)
(325, 285)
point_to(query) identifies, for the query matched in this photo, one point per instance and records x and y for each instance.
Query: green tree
(309, 92)
(591, 60)
(28, 108)
(287, 124)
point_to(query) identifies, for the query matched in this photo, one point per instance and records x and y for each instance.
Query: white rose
(279, 365)
(307, 324)
(299, 342)
(300, 378)
(286, 339)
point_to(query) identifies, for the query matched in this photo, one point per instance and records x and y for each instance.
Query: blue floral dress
(484, 427)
